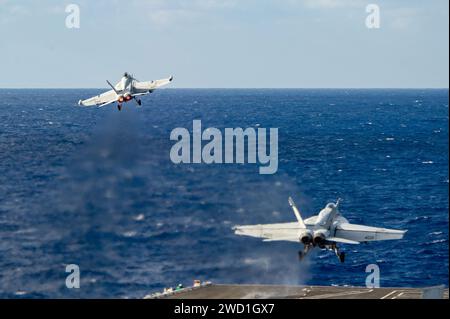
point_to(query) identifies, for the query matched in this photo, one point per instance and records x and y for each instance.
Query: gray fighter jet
(126, 90)
(325, 231)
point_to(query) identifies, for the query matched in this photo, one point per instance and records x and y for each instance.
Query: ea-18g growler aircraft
(325, 231)
(126, 90)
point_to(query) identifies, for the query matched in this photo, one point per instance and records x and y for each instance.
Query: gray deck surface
(295, 292)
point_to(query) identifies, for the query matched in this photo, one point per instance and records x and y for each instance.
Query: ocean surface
(95, 187)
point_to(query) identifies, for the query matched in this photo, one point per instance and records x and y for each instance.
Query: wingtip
(291, 201)
(238, 230)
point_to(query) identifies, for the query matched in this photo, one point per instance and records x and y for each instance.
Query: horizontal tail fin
(343, 240)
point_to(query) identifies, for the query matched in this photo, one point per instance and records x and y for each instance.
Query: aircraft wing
(361, 233)
(100, 100)
(141, 88)
(271, 232)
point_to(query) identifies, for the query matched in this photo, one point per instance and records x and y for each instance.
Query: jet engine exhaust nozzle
(306, 237)
(319, 239)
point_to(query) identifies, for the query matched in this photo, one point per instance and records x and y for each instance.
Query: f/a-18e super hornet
(325, 231)
(126, 90)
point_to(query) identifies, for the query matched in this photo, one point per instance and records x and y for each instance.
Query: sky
(226, 44)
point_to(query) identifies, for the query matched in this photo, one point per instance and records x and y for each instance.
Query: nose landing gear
(119, 107)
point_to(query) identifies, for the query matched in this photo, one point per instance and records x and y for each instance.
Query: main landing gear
(139, 102)
(302, 253)
(339, 254)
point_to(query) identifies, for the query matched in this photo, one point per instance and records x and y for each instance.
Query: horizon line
(237, 88)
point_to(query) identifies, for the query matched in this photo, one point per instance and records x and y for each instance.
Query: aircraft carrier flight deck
(213, 291)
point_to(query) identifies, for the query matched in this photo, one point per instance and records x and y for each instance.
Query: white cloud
(11, 11)
(165, 17)
(162, 13)
(402, 18)
(330, 4)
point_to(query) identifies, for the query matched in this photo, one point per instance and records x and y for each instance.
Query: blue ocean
(96, 187)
